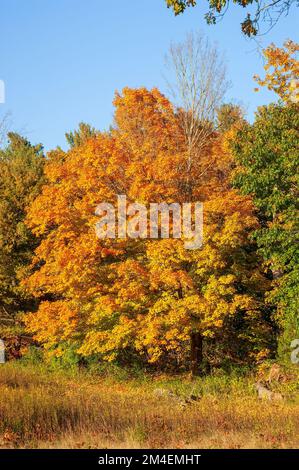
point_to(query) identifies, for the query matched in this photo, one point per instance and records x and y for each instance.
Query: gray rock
(265, 393)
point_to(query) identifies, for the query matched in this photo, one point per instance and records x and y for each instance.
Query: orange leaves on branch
(54, 322)
(282, 71)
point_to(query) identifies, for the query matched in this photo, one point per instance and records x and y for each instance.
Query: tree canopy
(115, 297)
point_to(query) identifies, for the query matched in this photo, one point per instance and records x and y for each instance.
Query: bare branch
(198, 85)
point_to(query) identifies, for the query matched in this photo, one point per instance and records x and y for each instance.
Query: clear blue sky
(62, 60)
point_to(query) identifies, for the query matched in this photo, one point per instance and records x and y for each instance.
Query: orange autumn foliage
(282, 71)
(109, 296)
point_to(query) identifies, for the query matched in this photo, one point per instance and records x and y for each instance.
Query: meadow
(40, 408)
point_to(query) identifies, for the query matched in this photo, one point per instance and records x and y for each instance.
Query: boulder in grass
(265, 393)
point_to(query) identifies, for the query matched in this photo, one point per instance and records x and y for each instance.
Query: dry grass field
(39, 409)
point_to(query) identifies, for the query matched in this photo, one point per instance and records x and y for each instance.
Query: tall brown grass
(39, 409)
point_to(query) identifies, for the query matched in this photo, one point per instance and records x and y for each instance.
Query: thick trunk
(196, 354)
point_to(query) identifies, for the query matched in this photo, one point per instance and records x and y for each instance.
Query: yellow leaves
(260, 357)
(228, 219)
(129, 283)
(282, 67)
(107, 342)
(54, 322)
(97, 342)
(166, 327)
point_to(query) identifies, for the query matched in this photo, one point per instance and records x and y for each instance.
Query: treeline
(153, 302)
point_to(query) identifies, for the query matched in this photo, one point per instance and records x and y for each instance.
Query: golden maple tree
(107, 297)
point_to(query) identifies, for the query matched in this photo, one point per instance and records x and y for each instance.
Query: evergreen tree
(21, 173)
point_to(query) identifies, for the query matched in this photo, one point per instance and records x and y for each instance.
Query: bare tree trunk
(196, 354)
(198, 88)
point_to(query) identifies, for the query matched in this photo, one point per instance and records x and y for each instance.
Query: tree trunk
(196, 354)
